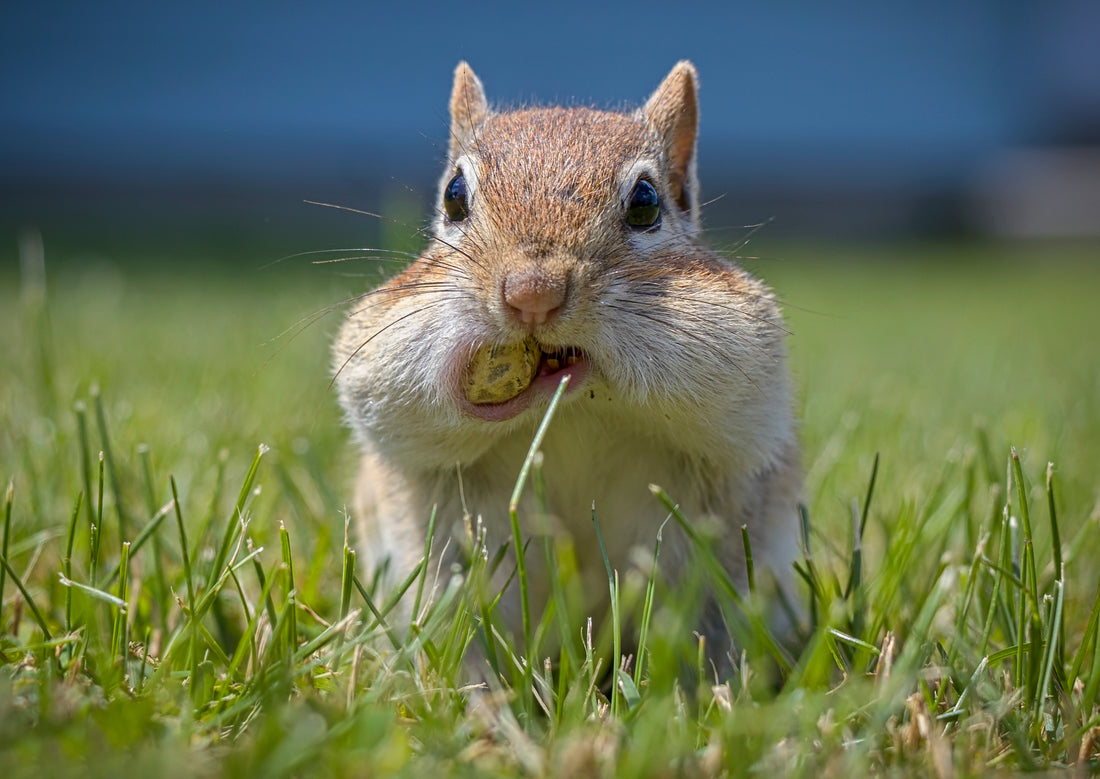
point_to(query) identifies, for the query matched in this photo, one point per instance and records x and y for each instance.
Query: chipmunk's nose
(534, 296)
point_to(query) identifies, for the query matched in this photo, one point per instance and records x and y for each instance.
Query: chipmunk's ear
(468, 108)
(672, 112)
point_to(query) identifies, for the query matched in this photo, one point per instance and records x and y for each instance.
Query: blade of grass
(424, 569)
(998, 598)
(330, 634)
(809, 574)
(347, 574)
(560, 573)
(1089, 697)
(202, 531)
(27, 598)
(101, 420)
(236, 518)
(162, 592)
(1056, 547)
(119, 640)
(246, 607)
(972, 579)
(67, 561)
(291, 595)
(860, 526)
(1050, 648)
(479, 573)
(399, 592)
(379, 617)
(1055, 536)
(209, 597)
(144, 661)
(93, 592)
(9, 497)
(616, 628)
(647, 607)
(96, 528)
(192, 655)
(513, 513)
(1030, 581)
(247, 645)
(1091, 635)
(148, 532)
(958, 708)
(1021, 672)
(81, 411)
(749, 571)
(721, 577)
(147, 478)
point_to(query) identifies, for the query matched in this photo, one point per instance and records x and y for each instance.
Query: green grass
(179, 599)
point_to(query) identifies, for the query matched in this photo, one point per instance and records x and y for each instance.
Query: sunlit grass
(179, 596)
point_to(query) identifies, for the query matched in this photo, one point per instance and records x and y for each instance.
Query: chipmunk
(566, 243)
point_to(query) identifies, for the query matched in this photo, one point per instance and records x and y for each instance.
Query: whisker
(312, 252)
(454, 248)
(380, 255)
(729, 228)
(626, 309)
(775, 322)
(741, 339)
(377, 333)
(389, 256)
(421, 231)
(745, 341)
(436, 300)
(737, 336)
(440, 286)
(712, 201)
(359, 211)
(299, 327)
(455, 268)
(747, 238)
(307, 321)
(621, 270)
(432, 236)
(677, 328)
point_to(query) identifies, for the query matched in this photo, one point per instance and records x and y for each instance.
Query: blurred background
(210, 124)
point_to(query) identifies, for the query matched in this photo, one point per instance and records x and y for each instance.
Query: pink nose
(533, 296)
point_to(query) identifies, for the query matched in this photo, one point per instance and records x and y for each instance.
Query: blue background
(841, 116)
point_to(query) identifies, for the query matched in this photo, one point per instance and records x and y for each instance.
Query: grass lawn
(146, 629)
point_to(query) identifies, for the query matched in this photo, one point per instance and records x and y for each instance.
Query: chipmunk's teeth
(554, 359)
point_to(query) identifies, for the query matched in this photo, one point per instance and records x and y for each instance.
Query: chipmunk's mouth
(500, 381)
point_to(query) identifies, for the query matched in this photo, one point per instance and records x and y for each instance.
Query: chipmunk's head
(644, 160)
(564, 244)
(546, 211)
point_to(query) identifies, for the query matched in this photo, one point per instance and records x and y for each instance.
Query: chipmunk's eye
(643, 207)
(454, 199)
